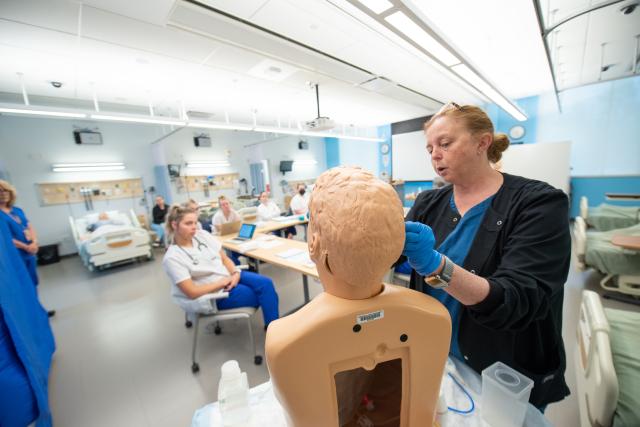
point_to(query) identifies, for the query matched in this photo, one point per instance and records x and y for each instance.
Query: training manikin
(362, 353)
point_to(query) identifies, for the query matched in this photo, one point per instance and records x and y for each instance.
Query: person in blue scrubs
(22, 232)
(495, 249)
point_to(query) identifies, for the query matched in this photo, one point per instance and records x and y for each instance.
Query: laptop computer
(245, 234)
(230, 227)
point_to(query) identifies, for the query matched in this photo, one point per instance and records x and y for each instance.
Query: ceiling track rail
(300, 44)
(545, 32)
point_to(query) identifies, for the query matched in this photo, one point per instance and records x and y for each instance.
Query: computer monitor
(286, 166)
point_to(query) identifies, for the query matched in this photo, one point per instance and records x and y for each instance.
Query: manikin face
(187, 227)
(454, 150)
(264, 198)
(225, 206)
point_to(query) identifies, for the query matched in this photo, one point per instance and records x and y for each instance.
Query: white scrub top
(219, 219)
(178, 263)
(299, 202)
(268, 211)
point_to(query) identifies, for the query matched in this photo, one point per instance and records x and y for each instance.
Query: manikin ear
(314, 244)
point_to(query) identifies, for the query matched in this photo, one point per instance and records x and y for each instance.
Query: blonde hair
(13, 194)
(476, 121)
(176, 214)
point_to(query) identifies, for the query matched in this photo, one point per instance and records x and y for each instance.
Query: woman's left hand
(235, 279)
(419, 248)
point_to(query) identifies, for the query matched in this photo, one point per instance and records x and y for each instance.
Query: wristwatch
(441, 281)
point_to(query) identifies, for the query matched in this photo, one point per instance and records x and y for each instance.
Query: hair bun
(499, 146)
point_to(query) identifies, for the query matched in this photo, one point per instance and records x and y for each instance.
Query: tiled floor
(123, 353)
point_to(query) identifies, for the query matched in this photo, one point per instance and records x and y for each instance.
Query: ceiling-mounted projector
(319, 123)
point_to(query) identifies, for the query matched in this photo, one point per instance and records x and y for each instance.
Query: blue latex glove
(418, 248)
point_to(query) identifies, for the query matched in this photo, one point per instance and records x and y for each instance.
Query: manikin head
(356, 231)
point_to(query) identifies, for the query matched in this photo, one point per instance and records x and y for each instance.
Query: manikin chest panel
(337, 361)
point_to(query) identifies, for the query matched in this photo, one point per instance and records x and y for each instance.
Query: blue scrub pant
(31, 264)
(233, 256)
(159, 230)
(253, 290)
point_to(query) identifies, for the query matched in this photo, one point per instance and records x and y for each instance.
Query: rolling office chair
(220, 315)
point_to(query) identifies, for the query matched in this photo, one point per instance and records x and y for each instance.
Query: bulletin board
(193, 183)
(75, 192)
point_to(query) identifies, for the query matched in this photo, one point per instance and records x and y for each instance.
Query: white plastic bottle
(233, 395)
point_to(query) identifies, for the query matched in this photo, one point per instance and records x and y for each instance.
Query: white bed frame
(114, 247)
(597, 382)
(624, 283)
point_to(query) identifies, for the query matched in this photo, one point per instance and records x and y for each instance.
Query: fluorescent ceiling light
(377, 6)
(476, 81)
(138, 120)
(212, 125)
(42, 113)
(305, 162)
(208, 163)
(87, 167)
(285, 131)
(417, 34)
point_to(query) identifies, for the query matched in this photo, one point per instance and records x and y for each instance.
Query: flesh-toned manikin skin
(360, 340)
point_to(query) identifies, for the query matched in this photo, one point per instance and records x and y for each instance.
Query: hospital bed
(110, 244)
(620, 266)
(607, 361)
(607, 217)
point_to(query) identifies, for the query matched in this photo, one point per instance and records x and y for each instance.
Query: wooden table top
(270, 255)
(627, 242)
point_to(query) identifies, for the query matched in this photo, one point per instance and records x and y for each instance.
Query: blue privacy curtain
(26, 343)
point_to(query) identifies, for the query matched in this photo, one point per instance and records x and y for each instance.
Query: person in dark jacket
(495, 249)
(159, 213)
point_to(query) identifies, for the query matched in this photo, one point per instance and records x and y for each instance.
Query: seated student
(192, 204)
(267, 209)
(197, 265)
(159, 213)
(224, 215)
(103, 219)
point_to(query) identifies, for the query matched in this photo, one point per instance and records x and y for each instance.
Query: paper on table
(268, 244)
(248, 246)
(302, 258)
(290, 252)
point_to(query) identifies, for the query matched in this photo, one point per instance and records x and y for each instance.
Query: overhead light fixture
(132, 119)
(200, 164)
(305, 162)
(87, 167)
(377, 6)
(477, 82)
(288, 131)
(42, 113)
(284, 131)
(213, 125)
(416, 33)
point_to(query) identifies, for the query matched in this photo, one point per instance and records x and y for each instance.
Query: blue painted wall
(602, 122)
(595, 189)
(332, 149)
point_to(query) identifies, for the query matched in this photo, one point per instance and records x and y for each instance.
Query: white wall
(225, 145)
(29, 146)
(286, 148)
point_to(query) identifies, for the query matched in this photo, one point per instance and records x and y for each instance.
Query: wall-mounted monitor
(85, 136)
(202, 141)
(286, 166)
(174, 171)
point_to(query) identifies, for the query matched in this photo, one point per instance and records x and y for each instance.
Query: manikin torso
(326, 357)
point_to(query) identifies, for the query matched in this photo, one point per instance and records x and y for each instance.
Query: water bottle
(233, 395)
